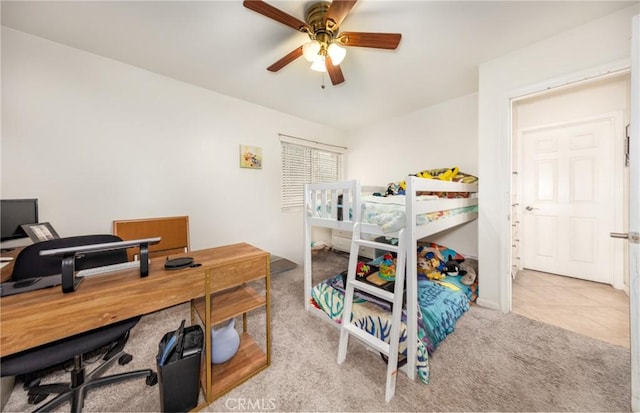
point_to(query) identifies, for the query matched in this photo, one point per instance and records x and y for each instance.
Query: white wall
(580, 50)
(96, 140)
(438, 136)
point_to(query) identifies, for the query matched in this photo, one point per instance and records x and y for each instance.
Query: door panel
(546, 245)
(546, 179)
(583, 176)
(583, 232)
(567, 196)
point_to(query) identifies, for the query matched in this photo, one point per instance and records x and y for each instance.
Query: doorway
(569, 192)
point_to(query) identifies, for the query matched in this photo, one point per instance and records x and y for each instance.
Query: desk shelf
(230, 303)
(225, 299)
(248, 361)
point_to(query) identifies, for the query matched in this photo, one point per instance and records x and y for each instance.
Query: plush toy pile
(433, 264)
(443, 174)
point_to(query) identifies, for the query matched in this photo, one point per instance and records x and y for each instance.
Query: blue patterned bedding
(440, 308)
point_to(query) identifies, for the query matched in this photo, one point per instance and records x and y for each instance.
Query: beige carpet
(492, 362)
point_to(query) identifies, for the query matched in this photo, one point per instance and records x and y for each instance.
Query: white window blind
(303, 164)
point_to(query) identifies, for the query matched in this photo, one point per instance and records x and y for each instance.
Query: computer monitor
(13, 214)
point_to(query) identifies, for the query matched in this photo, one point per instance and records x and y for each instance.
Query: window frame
(302, 162)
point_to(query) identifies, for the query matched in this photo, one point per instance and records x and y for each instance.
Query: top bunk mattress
(389, 212)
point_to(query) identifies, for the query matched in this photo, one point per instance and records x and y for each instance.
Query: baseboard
(488, 304)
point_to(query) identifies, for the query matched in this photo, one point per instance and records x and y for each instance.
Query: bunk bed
(428, 206)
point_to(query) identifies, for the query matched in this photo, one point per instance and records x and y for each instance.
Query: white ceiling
(224, 47)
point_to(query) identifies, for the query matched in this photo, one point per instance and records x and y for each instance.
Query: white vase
(224, 343)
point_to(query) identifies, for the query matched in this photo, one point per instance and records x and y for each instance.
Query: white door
(634, 217)
(567, 199)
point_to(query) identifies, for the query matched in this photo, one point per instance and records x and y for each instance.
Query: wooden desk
(39, 317)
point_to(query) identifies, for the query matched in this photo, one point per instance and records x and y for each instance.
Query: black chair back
(30, 264)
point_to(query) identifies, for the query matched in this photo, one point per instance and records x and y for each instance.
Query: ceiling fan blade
(375, 40)
(278, 15)
(335, 73)
(296, 53)
(338, 10)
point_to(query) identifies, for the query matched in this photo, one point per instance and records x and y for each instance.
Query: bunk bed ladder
(389, 349)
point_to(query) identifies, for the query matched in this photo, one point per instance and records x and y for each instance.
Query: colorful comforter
(440, 308)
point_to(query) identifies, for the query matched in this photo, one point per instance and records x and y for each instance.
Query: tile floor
(593, 309)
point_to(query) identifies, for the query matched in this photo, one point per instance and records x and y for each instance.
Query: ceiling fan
(322, 25)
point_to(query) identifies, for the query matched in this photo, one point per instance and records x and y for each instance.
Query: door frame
(634, 215)
(615, 118)
(504, 187)
(505, 157)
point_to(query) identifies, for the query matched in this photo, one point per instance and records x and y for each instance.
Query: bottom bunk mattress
(440, 306)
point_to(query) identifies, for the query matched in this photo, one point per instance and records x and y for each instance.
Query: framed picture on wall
(42, 231)
(250, 157)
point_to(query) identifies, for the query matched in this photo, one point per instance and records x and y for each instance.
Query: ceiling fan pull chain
(322, 85)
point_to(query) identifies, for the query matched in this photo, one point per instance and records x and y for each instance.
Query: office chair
(29, 264)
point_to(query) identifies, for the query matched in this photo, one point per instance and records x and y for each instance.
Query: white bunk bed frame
(321, 203)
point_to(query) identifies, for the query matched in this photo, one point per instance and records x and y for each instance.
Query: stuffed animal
(430, 266)
(395, 188)
(452, 267)
(469, 274)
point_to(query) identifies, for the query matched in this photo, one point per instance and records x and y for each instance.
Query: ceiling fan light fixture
(310, 51)
(322, 23)
(337, 53)
(319, 65)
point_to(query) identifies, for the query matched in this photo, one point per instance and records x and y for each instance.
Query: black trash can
(178, 361)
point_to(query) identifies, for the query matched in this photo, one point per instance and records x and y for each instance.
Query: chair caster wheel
(152, 379)
(29, 384)
(125, 359)
(36, 398)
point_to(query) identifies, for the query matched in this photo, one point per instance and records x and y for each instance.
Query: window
(302, 164)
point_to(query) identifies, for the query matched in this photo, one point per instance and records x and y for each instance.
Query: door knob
(633, 237)
(529, 208)
(624, 235)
